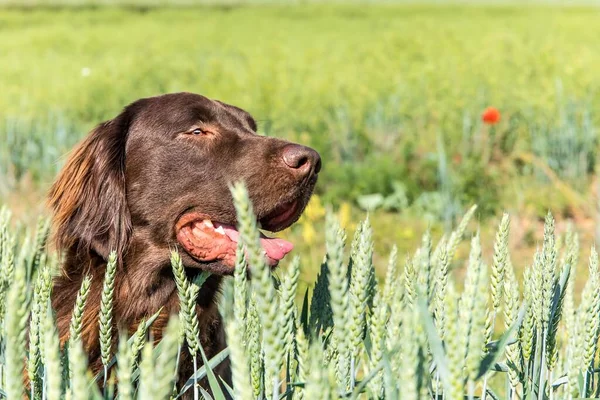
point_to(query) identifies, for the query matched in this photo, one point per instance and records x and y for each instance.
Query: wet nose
(301, 159)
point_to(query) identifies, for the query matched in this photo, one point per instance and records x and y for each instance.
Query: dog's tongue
(274, 248)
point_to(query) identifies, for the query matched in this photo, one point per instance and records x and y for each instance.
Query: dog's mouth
(207, 240)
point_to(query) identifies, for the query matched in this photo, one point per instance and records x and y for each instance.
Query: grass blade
(202, 371)
(496, 352)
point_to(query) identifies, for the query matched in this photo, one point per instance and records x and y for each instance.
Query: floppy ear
(88, 199)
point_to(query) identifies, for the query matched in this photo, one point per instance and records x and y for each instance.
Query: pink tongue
(275, 248)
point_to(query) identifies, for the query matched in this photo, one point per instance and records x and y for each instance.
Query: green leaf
(202, 371)
(580, 383)
(362, 384)
(201, 278)
(563, 380)
(383, 365)
(212, 379)
(493, 395)
(559, 293)
(290, 391)
(560, 289)
(491, 358)
(499, 367)
(228, 388)
(205, 394)
(304, 313)
(435, 343)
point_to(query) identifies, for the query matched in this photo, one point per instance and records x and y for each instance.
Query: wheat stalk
(106, 309)
(253, 329)
(240, 370)
(147, 379)
(378, 343)
(511, 296)
(187, 302)
(303, 361)
(41, 297)
(52, 363)
(289, 286)
(391, 276)
(359, 281)
(77, 316)
(499, 262)
(165, 369)
(14, 325)
(78, 370)
(338, 289)
(267, 299)
(457, 234)
(125, 362)
(139, 340)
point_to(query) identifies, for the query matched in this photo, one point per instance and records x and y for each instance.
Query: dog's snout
(301, 159)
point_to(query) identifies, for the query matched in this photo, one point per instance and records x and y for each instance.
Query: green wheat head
(419, 334)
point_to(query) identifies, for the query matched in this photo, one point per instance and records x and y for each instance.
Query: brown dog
(157, 177)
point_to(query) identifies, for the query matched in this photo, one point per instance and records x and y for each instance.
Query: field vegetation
(416, 335)
(392, 97)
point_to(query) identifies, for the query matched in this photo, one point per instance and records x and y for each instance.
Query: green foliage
(570, 146)
(415, 336)
(106, 308)
(187, 299)
(79, 380)
(77, 316)
(53, 367)
(399, 123)
(15, 334)
(124, 368)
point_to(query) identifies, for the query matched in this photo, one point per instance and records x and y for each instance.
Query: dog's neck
(149, 283)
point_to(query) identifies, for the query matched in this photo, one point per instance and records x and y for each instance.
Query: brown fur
(128, 183)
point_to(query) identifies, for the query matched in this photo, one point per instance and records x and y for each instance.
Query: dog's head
(163, 168)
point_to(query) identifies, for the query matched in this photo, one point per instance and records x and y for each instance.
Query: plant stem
(471, 385)
(541, 390)
(275, 388)
(105, 375)
(352, 374)
(44, 384)
(550, 387)
(536, 371)
(195, 377)
(484, 390)
(437, 382)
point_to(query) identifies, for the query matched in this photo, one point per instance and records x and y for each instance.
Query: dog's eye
(198, 132)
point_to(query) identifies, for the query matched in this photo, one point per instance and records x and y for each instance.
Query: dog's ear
(88, 199)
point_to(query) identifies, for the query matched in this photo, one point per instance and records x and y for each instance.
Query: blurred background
(418, 110)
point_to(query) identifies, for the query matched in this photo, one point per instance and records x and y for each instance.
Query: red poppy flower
(490, 115)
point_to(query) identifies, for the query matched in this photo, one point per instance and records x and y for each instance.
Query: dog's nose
(303, 160)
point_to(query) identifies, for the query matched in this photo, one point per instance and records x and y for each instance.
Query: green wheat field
(441, 257)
